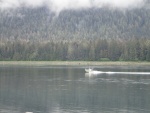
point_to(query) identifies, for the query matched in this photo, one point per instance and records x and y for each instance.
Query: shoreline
(72, 63)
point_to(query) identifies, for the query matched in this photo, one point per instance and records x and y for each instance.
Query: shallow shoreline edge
(74, 63)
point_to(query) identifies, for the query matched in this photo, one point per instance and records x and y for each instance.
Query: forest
(40, 23)
(82, 50)
(91, 34)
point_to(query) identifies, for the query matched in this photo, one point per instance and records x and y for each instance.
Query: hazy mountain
(46, 19)
(126, 26)
(35, 23)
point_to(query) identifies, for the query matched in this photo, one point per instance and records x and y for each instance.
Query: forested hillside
(40, 23)
(85, 34)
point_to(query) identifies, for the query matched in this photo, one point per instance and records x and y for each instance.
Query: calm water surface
(58, 89)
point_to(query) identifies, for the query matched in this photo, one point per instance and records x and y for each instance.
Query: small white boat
(92, 71)
(89, 70)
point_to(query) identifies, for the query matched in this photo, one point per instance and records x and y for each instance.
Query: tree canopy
(87, 34)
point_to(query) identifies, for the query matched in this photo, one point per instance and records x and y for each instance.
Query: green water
(58, 89)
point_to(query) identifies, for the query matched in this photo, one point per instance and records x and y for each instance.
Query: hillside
(86, 34)
(40, 23)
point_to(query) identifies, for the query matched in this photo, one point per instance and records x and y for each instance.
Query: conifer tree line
(63, 50)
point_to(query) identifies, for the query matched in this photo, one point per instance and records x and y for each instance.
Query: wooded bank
(76, 50)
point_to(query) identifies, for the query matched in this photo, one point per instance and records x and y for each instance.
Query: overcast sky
(58, 5)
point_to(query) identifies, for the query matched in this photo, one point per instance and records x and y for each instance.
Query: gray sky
(58, 5)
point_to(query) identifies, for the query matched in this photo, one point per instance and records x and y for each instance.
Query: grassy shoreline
(73, 63)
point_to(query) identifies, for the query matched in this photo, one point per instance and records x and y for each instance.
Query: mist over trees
(85, 34)
(40, 23)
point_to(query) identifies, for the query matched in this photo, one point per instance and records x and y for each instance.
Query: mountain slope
(40, 23)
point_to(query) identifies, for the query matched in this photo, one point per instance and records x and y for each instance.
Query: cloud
(9, 4)
(59, 5)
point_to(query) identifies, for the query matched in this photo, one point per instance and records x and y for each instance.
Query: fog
(59, 5)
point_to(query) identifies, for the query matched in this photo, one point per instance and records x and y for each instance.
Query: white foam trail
(110, 72)
(133, 73)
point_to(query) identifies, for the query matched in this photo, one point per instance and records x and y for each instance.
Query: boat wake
(133, 73)
(95, 72)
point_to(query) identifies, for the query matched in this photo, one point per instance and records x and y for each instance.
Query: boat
(89, 70)
(92, 71)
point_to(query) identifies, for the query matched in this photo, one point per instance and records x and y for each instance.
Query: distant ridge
(40, 23)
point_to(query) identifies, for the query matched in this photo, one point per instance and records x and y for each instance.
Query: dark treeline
(94, 50)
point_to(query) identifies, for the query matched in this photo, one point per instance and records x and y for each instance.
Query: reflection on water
(70, 90)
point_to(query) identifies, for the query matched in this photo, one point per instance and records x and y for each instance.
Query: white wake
(110, 72)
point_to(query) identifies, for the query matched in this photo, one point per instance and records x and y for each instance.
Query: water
(62, 89)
